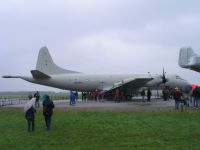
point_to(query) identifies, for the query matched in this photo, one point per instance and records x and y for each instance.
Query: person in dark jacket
(117, 95)
(143, 95)
(177, 97)
(30, 117)
(148, 95)
(37, 100)
(48, 106)
(196, 95)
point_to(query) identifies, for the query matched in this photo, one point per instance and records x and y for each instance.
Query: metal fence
(6, 102)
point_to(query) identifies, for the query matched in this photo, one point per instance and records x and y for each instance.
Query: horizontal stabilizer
(8, 76)
(39, 75)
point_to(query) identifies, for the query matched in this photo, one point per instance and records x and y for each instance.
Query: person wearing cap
(48, 106)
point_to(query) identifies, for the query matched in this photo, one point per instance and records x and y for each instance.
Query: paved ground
(154, 105)
(136, 105)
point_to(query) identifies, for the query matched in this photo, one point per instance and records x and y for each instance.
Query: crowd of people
(117, 95)
(192, 100)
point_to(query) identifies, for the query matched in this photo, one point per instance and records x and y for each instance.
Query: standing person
(117, 95)
(96, 95)
(164, 94)
(142, 94)
(72, 98)
(76, 96)
(148, 95)
(48, 106)
(198, 97)
(177, 97)
(82, 96)
(37, 99)
(30, 96)
(93, 95)
(195, 97)
(30, 114)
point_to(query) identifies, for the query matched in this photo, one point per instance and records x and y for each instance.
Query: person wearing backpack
(48, 106)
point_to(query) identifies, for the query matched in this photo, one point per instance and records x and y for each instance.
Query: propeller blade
(164, 80)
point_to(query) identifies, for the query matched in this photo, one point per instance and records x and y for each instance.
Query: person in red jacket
(117, 95)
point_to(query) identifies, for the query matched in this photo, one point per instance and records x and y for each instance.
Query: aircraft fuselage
(82, 82)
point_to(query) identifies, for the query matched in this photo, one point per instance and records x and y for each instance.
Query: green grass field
(101, 130)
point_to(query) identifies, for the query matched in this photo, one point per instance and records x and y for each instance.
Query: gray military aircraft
(49, 74)
(189, 59)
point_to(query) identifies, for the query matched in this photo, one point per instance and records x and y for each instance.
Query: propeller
(164, 80)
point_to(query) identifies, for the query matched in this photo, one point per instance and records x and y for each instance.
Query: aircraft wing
(136, 84)
(130, 84)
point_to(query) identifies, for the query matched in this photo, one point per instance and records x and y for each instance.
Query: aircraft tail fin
(185, 55)
(46, 65)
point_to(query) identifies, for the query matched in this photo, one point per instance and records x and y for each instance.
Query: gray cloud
(115, 36)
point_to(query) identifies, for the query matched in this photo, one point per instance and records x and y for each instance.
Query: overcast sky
(97, 36)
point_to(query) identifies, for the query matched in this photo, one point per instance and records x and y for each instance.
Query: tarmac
(91, 105)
